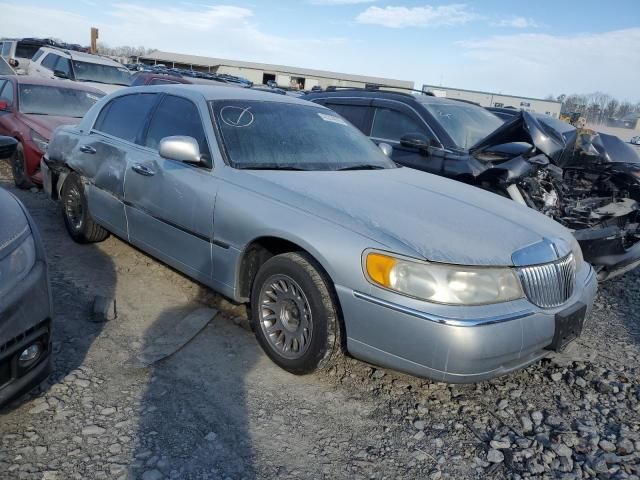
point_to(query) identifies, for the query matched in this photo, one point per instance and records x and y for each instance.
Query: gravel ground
(218, 408)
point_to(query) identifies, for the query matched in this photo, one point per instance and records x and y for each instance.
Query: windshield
(95, 72)
(63, 102)
(274, 135)
(466, 124)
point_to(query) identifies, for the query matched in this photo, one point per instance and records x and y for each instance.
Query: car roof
(83, 57)
(50, 82)
(404, 97)
(215, 92)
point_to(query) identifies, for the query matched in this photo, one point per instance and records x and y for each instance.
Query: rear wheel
(294, 313)
(80, 225)
(19, 169)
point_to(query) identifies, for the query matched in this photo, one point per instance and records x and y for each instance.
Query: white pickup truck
(94, 70)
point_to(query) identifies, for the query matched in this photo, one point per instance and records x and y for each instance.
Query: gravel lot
(218, 408)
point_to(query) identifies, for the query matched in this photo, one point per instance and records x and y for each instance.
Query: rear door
(102, 156)
(169, 204)
(391, 121)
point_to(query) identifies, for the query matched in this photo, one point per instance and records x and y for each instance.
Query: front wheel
(19, 169)
(294, 313)
(80, 225)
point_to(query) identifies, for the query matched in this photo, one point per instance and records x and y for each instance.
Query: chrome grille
(551, 284)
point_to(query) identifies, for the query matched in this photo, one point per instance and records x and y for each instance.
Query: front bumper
(444, 347)
(603, 248)
(25, 317)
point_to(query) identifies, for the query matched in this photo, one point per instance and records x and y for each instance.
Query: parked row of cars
(336, 243)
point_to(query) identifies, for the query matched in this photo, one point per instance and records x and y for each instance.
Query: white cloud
(424, 16)
(340, 2)
(538, 64)
(516, 22)
(223, 30)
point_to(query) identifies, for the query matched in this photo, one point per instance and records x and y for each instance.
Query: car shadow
(193, 416)
(73, 289)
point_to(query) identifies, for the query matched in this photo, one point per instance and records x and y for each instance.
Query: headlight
(442, 283)
(41, 142)
(17, 264)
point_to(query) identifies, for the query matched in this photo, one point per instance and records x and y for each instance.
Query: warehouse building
(261, 73)
(488, 99)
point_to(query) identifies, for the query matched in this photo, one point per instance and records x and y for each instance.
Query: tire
(19, 169)
(295, 285)
(81, 227)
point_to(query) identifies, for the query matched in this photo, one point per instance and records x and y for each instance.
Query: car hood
(604, 148)
(421, 214)
(14, 221)
(46, 124)
(525, 128)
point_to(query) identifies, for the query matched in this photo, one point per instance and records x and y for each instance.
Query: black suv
(532, 159)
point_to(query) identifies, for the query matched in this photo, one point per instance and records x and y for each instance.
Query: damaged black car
(588, 182)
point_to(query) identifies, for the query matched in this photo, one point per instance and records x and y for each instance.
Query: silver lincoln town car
(282, 204)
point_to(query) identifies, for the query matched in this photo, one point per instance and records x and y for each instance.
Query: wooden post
(94, 40)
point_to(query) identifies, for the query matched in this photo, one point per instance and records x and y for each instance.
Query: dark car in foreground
(31, 108)
(25, 300)
(528, 159)
(282, 204)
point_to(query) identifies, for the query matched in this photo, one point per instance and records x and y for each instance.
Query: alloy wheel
(285, 316)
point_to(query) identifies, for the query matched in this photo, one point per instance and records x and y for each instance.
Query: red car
(31, 109)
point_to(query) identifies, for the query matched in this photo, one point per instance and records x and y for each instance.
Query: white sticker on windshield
(332, 119)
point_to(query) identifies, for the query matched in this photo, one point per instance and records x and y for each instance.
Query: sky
(530, 48)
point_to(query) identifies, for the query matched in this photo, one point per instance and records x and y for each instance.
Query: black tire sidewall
(22, 180)
(77, 235)
(286, 265)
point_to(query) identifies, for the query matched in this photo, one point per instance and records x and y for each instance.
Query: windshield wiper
(271, 167)
(364, 166)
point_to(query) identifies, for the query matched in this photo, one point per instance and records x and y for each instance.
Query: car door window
(389, 124)
(63, 65)
(176, 116)
(6, 93)
(125, 117)
(49, 61)
(37, 55)
(356, 114)
(6, 49)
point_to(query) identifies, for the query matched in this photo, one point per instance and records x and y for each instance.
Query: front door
(393, 120)
(169, 204)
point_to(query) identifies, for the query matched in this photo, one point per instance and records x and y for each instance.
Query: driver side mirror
(180, 148)
(415, 140)
(60, 74)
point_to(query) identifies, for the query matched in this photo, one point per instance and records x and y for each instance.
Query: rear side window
(356, 114)
(37, 55)
(125, 117)
(64, 65)
(176, 116)
(6, 49)
(392, 125)
(50, 60)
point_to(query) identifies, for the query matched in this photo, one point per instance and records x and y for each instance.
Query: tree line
(596, 107)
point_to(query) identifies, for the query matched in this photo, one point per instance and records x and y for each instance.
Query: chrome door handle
(143, 170)
(87, 149)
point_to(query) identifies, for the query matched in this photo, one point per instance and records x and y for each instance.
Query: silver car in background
(282, 204)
